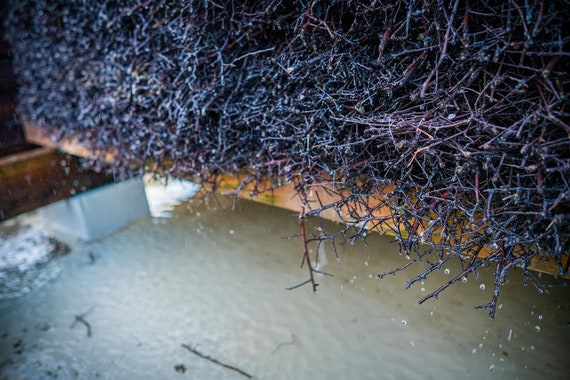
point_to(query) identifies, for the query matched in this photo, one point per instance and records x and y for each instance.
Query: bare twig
(81, 319)
(203, 356)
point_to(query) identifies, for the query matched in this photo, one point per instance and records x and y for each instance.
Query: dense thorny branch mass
(452, 114)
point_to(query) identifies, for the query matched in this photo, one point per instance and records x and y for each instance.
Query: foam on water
(26, 261)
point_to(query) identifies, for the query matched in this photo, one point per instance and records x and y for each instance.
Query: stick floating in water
(198, 353)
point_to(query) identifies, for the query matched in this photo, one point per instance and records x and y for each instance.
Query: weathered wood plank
(72, 146)
(35, 178)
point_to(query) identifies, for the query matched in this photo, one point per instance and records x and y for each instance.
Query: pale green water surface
(215, 279)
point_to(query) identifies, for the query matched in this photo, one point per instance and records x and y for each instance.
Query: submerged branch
(215, 361)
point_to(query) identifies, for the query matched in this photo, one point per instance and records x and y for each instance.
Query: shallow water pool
(215, 280)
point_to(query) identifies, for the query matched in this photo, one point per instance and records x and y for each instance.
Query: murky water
(214, 280)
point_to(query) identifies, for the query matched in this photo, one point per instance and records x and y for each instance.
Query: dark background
(11, 133)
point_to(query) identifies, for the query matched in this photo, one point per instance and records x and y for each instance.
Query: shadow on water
(212, 280)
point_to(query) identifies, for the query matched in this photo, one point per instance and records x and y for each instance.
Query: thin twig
(198, 353)
(81, 319)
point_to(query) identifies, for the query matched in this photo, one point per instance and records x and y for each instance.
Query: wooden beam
(38, 136)
(35, 178)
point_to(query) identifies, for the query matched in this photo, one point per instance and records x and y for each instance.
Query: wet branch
(306, 257)
(81, 319)
(198, 353)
